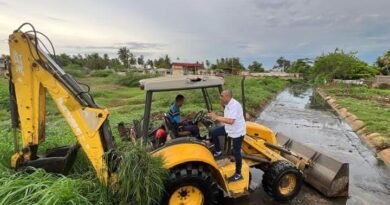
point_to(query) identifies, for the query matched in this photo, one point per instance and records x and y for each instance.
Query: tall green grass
(141, 176)
(42, 188)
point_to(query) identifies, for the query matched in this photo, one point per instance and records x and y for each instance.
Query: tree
(150, 63)
(232, 65)
(63, 59)
(302, 66)
(282, 63)
(133, 60)
(4, 56)
(383, 63)
(124, 55)
(208, 63)
(94, 62)
(167, 61)
(116, 64)
(78, 60)
(340, 65)
(256, 67)
(106, 60)
(140, 60)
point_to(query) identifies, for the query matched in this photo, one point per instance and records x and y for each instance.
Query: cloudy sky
(261, 30)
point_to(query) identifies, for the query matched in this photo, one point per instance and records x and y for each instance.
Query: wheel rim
(188, 195)
(287, 184)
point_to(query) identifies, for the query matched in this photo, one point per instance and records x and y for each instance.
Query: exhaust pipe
(324, 173)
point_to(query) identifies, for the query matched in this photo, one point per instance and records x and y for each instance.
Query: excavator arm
(32, 74)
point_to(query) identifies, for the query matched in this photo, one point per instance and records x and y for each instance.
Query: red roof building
(187, 68)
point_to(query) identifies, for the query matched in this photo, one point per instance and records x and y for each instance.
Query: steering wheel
(198, 117)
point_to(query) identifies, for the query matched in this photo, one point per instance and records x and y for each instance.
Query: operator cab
(171, 86)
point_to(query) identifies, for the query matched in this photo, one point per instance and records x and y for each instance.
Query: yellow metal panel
(257, 130)
(186, 152)
(238, 188)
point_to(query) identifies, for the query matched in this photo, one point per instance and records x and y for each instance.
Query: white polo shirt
(233, 110)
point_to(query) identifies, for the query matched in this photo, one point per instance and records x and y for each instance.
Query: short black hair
(179, 98)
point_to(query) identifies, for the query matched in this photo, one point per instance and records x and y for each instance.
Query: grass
(145, 184)
(43, 188)
(370, 105)
(125, 103)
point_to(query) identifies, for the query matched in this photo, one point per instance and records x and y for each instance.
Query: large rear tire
(191, 185)
(282, 181)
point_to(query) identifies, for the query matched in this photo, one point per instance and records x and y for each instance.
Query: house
(273, 73)
(187, 69)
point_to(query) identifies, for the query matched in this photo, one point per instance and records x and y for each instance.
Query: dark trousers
(191, 127)
(237, 142)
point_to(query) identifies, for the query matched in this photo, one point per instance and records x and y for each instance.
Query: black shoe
(235, 177)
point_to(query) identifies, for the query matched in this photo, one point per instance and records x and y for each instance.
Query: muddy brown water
(296, 113)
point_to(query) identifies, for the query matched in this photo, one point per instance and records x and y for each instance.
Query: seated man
(182, 122)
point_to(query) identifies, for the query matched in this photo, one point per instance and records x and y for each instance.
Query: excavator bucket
(324, 173)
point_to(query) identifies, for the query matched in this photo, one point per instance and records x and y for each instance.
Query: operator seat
(174, 129)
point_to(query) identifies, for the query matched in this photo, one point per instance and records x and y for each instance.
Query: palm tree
(124, 55)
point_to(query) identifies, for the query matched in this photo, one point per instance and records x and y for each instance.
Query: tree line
(336, 64)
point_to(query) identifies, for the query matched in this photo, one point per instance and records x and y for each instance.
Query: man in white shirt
(234, 127)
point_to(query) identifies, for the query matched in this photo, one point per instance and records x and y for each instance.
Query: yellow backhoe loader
(196, 177)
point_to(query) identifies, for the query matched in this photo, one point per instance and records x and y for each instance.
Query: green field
(124, 104)
(370, 105)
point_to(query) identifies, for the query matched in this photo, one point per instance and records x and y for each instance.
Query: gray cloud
(142, 45)
(139, 46)
(56, 19)
(274, 4)
(261, 30)
(2, 3)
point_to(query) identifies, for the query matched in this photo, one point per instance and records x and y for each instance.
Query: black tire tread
(272, 176)
(193, 174)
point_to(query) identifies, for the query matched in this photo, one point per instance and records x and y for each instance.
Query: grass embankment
(125, 104)
(370, 105)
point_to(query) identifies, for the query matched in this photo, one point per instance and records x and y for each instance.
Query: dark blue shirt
(174, 113)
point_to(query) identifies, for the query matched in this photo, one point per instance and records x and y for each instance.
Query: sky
(261, 30)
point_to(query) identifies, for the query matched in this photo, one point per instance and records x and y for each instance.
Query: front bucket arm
(326, 174)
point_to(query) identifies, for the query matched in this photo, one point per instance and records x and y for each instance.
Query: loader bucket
(324, 173)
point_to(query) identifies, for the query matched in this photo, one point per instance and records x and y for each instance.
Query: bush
(132, 79)
(340, 65)
(384, 86)
(101, 73)
(75, 70)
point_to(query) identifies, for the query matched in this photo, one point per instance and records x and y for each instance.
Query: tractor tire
(282, 181)
(191, 185)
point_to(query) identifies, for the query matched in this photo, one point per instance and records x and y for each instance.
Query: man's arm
(225, 120)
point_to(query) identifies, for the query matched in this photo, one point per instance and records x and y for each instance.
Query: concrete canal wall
(358, 126)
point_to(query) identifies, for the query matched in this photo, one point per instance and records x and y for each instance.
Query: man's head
(225, 96)
(179, 100)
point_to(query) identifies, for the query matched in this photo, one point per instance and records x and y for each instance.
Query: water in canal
(296, 113)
